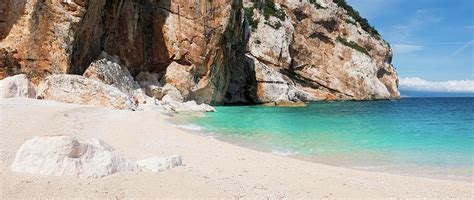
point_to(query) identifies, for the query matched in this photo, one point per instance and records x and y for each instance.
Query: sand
(211, 168)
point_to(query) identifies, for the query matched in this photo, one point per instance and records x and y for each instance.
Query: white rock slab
(158, 164)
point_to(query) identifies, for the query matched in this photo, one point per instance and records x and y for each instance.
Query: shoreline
(198, 130)
(212, 168)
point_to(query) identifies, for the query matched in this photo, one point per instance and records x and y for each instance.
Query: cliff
(220, 51)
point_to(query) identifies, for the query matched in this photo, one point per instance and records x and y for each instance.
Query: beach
(211, 168)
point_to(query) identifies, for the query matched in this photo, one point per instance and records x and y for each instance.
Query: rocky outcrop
(69, 156)
(81, 90)
(327, 53)
(17, 86)
(319, 49)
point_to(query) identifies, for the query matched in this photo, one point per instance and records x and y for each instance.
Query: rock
(171, 105)
(109, 71)
(9, 66)
(179, 76)
(154, 91)
(82, 90)
(172, 92)
(271, 86)
(68, 156)
(319, 47)
(65, 36)
(332, 57)
(17, 86)
(146, 79)
(158, 164)
(286, 104)
(271, 38)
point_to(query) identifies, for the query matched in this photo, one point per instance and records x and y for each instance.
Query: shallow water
(431, 137)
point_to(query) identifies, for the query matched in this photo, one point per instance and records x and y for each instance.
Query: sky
(433, 41)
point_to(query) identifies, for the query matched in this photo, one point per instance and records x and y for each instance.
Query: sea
(425, 137)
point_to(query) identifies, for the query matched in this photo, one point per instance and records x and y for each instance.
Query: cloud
(406, 48)
(418, 84)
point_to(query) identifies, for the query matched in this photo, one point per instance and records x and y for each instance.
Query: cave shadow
(104, 32)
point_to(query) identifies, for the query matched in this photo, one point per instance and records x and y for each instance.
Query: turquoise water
(431, 137)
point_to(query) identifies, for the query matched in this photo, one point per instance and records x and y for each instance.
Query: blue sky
(433, 40)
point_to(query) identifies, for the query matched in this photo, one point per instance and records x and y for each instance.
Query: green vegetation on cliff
(268, 8)
(356, 16)
(353, 45)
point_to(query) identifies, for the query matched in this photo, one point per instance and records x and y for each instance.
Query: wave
(285, 152)
(191, 127)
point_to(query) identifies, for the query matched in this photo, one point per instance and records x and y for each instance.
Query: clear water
(431, 137)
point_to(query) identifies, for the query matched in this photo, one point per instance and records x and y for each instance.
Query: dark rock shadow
(131, 30)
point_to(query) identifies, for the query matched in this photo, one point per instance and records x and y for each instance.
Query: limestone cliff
(220, 51)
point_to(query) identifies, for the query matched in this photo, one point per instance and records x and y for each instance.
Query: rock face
(65, 155)
(329, 56)
(81, 90)
(16, 86)
(318, 48)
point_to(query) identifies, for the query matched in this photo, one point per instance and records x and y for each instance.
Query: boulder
(16, 86)
(171, 105)
(109, 71)
(172, 92)
(158, 164)
(179, 76)
(145, 79)
(68, 156)
(81, 90)
(154, 91)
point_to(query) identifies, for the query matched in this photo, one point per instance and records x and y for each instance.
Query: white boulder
(65, 155)
(80, 90)
(171, 105)
(158, 164)
(16, 86)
